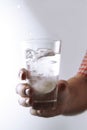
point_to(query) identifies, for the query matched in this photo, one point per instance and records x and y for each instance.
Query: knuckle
(23, 89)
(24, 102)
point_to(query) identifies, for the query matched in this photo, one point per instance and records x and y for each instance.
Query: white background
(64, 20)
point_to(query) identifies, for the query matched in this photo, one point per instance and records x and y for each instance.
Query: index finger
(24, 74)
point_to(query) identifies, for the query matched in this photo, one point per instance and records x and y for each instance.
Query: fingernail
(33, 112)
(27, 91)
(27, 101)
(38, 111)
(24, 102)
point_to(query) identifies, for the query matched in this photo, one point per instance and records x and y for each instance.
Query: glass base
(46, 101)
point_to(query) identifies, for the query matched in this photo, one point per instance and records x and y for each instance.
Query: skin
(72, 96)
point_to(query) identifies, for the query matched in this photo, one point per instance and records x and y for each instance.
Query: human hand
(27, 97)
(71, 99)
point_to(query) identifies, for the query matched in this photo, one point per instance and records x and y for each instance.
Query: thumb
(62, 84)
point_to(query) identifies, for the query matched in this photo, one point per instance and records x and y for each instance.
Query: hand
(71, 100)
(27, 97)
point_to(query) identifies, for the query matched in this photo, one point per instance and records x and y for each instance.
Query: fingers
(24, 74)
(25, 93)
(23, 90)
(45, 113)
(24, 102)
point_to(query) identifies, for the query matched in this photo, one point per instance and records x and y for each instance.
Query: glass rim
(44, 39)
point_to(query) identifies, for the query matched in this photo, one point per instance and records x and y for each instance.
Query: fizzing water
(44, 71)
(43, 65)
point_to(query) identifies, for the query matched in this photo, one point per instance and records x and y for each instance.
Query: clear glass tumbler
(43, 63)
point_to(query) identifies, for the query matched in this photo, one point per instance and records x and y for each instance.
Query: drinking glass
(42, 58)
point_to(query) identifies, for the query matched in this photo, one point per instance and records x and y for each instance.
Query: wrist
(77, 99)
